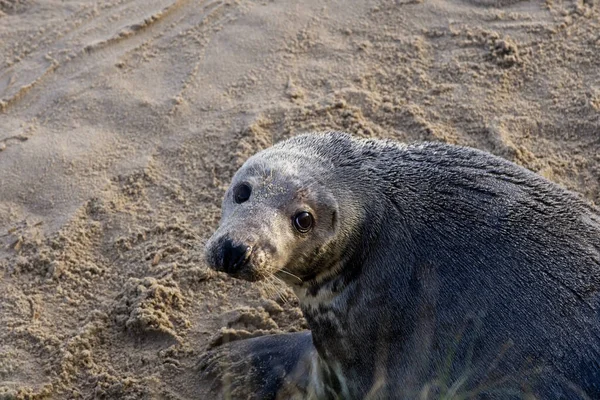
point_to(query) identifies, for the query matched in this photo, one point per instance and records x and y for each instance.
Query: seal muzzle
(228, 256)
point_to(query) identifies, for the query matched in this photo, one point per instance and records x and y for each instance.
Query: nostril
(235, 256)
(243, 259)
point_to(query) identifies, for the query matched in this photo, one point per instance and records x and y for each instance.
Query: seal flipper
(266, 367)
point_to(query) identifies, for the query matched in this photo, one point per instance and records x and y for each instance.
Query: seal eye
(303, 221)
(242, 193)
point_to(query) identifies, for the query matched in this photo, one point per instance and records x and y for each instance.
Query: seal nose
(235, 256)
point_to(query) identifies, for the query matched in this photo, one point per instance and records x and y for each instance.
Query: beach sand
(122, 122)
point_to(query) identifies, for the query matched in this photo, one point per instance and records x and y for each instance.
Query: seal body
(427, 270)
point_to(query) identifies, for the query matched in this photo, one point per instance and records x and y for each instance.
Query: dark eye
(241, 193)
(303, 221)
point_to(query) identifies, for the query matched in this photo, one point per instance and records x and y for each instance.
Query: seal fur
(432, 270)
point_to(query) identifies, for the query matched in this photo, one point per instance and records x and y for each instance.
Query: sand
(122, 121)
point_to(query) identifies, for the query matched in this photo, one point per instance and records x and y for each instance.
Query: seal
(424, 271)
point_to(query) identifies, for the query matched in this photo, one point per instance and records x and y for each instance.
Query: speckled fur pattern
(446, 271)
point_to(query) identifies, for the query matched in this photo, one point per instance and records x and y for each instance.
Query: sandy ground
(122, 121)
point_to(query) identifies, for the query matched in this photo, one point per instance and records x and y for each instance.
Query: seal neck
(343, 265)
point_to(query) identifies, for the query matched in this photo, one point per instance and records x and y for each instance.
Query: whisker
(290, 274)
(281, 292)
(269, 287)
(273, 287)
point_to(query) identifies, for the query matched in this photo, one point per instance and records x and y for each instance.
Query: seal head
(278, 218)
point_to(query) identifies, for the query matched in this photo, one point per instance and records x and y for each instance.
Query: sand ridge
(121, 123)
